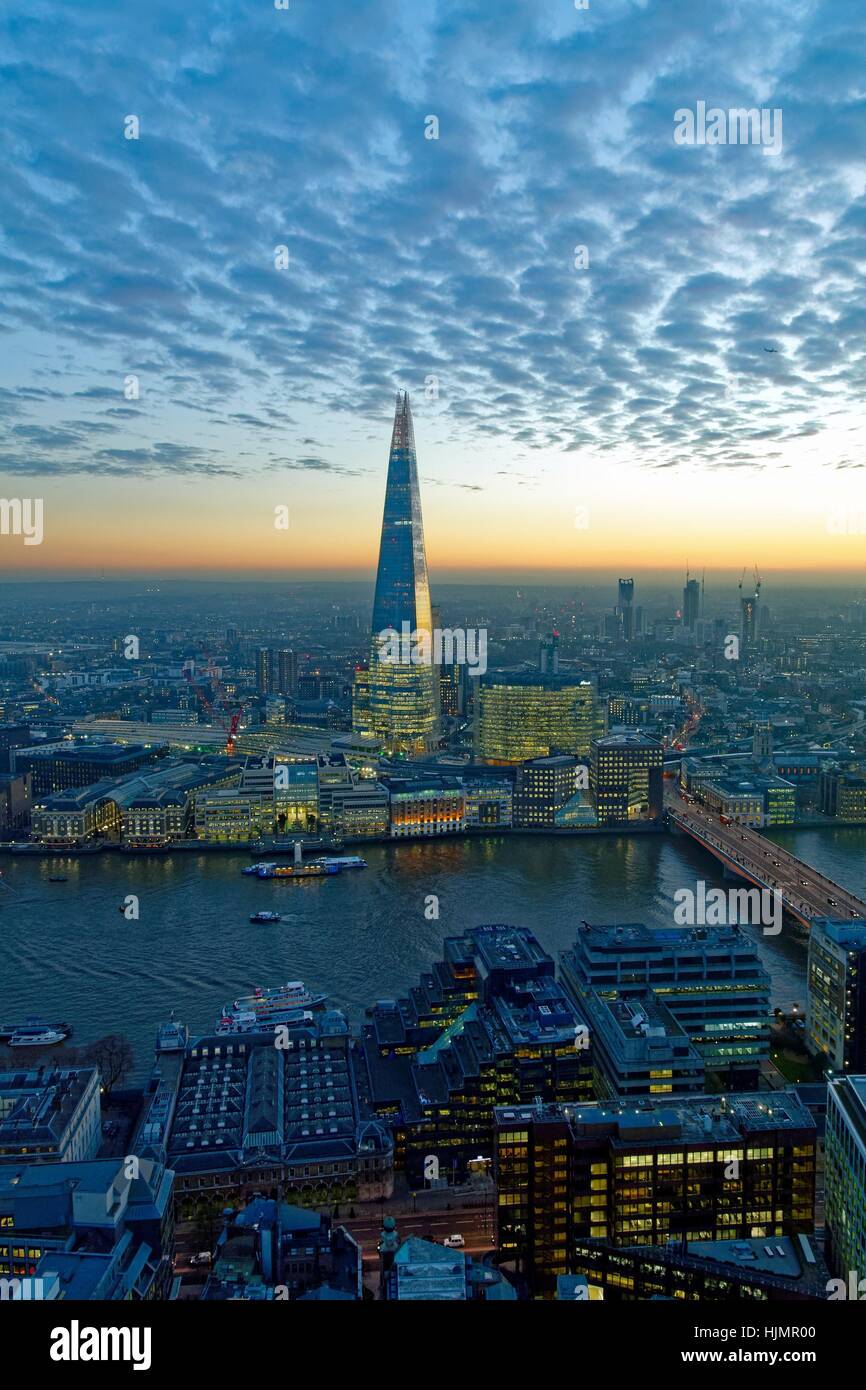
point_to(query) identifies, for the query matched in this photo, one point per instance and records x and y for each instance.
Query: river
(68, 952)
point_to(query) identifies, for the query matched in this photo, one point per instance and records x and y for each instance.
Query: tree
(113, 1056)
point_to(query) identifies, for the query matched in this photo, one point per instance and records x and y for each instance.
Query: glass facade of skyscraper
(521, 716)
(398, 700)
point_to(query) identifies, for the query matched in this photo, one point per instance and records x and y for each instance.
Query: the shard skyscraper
(395, 700)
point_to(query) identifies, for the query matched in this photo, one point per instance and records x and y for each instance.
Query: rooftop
(686, 1118)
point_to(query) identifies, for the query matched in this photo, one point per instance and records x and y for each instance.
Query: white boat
(36, 1037)
(343, 861)
(286, 1004)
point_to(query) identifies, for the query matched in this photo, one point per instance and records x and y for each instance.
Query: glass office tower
(399, 703)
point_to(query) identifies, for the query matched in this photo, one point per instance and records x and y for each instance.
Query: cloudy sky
(621, 350)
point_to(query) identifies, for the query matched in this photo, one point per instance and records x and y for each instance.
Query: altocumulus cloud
(721, 306)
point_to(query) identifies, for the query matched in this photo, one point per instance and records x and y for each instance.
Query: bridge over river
(805, 892)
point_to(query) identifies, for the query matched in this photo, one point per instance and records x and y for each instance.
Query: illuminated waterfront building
(547, 794)
(426, 806)
(398, 700)
(488, 803)
(842, 794)
(519, 716)
(626, 778)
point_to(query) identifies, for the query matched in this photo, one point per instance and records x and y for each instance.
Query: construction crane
(228, 719)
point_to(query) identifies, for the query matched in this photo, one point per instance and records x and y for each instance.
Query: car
(202, 1258)
(455, 1242)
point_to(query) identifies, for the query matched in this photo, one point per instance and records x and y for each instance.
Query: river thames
(69, 953)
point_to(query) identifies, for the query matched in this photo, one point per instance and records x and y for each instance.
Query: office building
(489, 1021)
(547, 793)
(626, 778)
(842, 794)
(74, 765)
(525, 715)
(397, 700)
(16, 802)
(548, 655)
(72, 819)
(241, 1117)
(710, 978)
(845, 1177)
(639, 1048)
(12, 736)
(426, 806)
(785, 1269)
(89, 1230)
(836, 994)
(49, 1114)
(696, 1168)
(488, 804)
(750, 800)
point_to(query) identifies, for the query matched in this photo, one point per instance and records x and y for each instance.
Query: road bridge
(805, 892)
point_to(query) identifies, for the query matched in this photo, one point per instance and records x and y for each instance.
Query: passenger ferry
(316, 868)
(296, 871)
(286, 1003)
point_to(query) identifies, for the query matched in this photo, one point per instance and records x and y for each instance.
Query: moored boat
(35, 1027)
(267, 1007)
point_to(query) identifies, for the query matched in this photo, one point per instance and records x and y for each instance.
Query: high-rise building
(691, 603)
(400, 704)
(845, 1177)
(522, 715)
(548, 654)
(703, 1168)
(626, 778)
(836, 993)
(287, 672)
(265, 671)
(625, 609)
